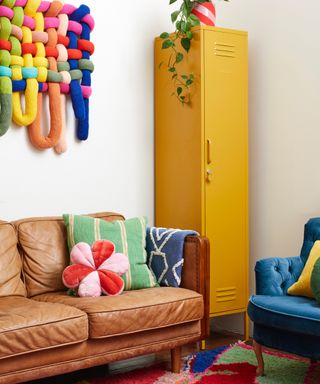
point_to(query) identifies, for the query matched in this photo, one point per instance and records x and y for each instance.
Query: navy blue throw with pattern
(165, 254)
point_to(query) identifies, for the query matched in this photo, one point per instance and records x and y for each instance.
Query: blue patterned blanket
(165, 254)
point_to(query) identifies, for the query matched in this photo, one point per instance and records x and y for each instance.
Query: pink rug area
(234, 364)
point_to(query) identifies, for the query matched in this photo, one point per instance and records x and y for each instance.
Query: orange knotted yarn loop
(86, 45)
(35, 131)
(63, 43)
(74, 54)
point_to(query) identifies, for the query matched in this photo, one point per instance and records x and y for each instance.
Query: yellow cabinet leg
(246, 326)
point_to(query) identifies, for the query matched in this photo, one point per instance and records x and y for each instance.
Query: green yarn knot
(76, 74)
(63, 66)
(5, 29)
(15, 46)
(8, 3)
(54, 77)
(5, 86)
(86, 64)
(18, 16)
(5, 58)
(6, 104)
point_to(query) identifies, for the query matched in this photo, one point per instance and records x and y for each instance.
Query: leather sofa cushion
(134, 311)
(43, 242)
(10, 262)
(27, 325)
(289, 313)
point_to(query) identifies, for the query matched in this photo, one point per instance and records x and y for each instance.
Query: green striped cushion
(128, 236)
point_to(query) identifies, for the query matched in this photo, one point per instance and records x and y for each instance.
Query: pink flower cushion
(96, 269)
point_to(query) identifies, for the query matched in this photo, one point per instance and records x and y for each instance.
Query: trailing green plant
(184, 20)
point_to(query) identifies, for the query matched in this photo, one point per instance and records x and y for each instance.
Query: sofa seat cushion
(27, 325)
(134, 311)
(291, 313)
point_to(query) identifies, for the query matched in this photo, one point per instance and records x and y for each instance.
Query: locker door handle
(209, 175)
(209, 160)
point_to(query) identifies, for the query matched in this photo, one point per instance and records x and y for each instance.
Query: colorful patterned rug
(234, 364)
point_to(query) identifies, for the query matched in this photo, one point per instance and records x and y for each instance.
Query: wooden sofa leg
(176, 359)
(258, 351)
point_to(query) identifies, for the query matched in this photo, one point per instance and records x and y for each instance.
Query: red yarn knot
(29, 48)
(5, 44)
(64, 40)
(51, 52)
(86, 45)
(74, 54)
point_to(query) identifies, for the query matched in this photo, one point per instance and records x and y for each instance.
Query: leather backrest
(10, 262)
(44, 249)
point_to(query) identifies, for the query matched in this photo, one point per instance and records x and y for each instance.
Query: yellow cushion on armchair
(303, 286)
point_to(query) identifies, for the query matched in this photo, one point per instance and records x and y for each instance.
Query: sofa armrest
(275, 275)
(196, 273)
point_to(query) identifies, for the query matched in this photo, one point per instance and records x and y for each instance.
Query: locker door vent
(224, 50)
(226, 294)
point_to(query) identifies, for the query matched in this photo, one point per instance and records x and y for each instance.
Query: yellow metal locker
(201, 158)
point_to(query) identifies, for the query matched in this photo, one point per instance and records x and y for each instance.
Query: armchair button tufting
(276, 269)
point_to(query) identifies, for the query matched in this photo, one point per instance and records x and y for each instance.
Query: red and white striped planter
(206, 13)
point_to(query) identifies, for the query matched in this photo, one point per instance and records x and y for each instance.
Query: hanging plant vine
(184, 20)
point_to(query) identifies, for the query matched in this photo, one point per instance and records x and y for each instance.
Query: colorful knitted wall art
(45, 47)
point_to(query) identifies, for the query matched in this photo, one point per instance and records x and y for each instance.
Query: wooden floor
(215, 340)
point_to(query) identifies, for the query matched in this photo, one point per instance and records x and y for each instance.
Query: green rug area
(237, 365)
(234, 364)
(279, 369)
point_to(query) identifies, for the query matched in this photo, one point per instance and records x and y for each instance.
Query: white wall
(113, 170)
(284, 100)
(284, 120)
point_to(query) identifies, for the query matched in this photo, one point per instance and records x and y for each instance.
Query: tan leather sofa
(45, 332)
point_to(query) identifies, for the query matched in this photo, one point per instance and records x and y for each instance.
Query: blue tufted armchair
(281, 321)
